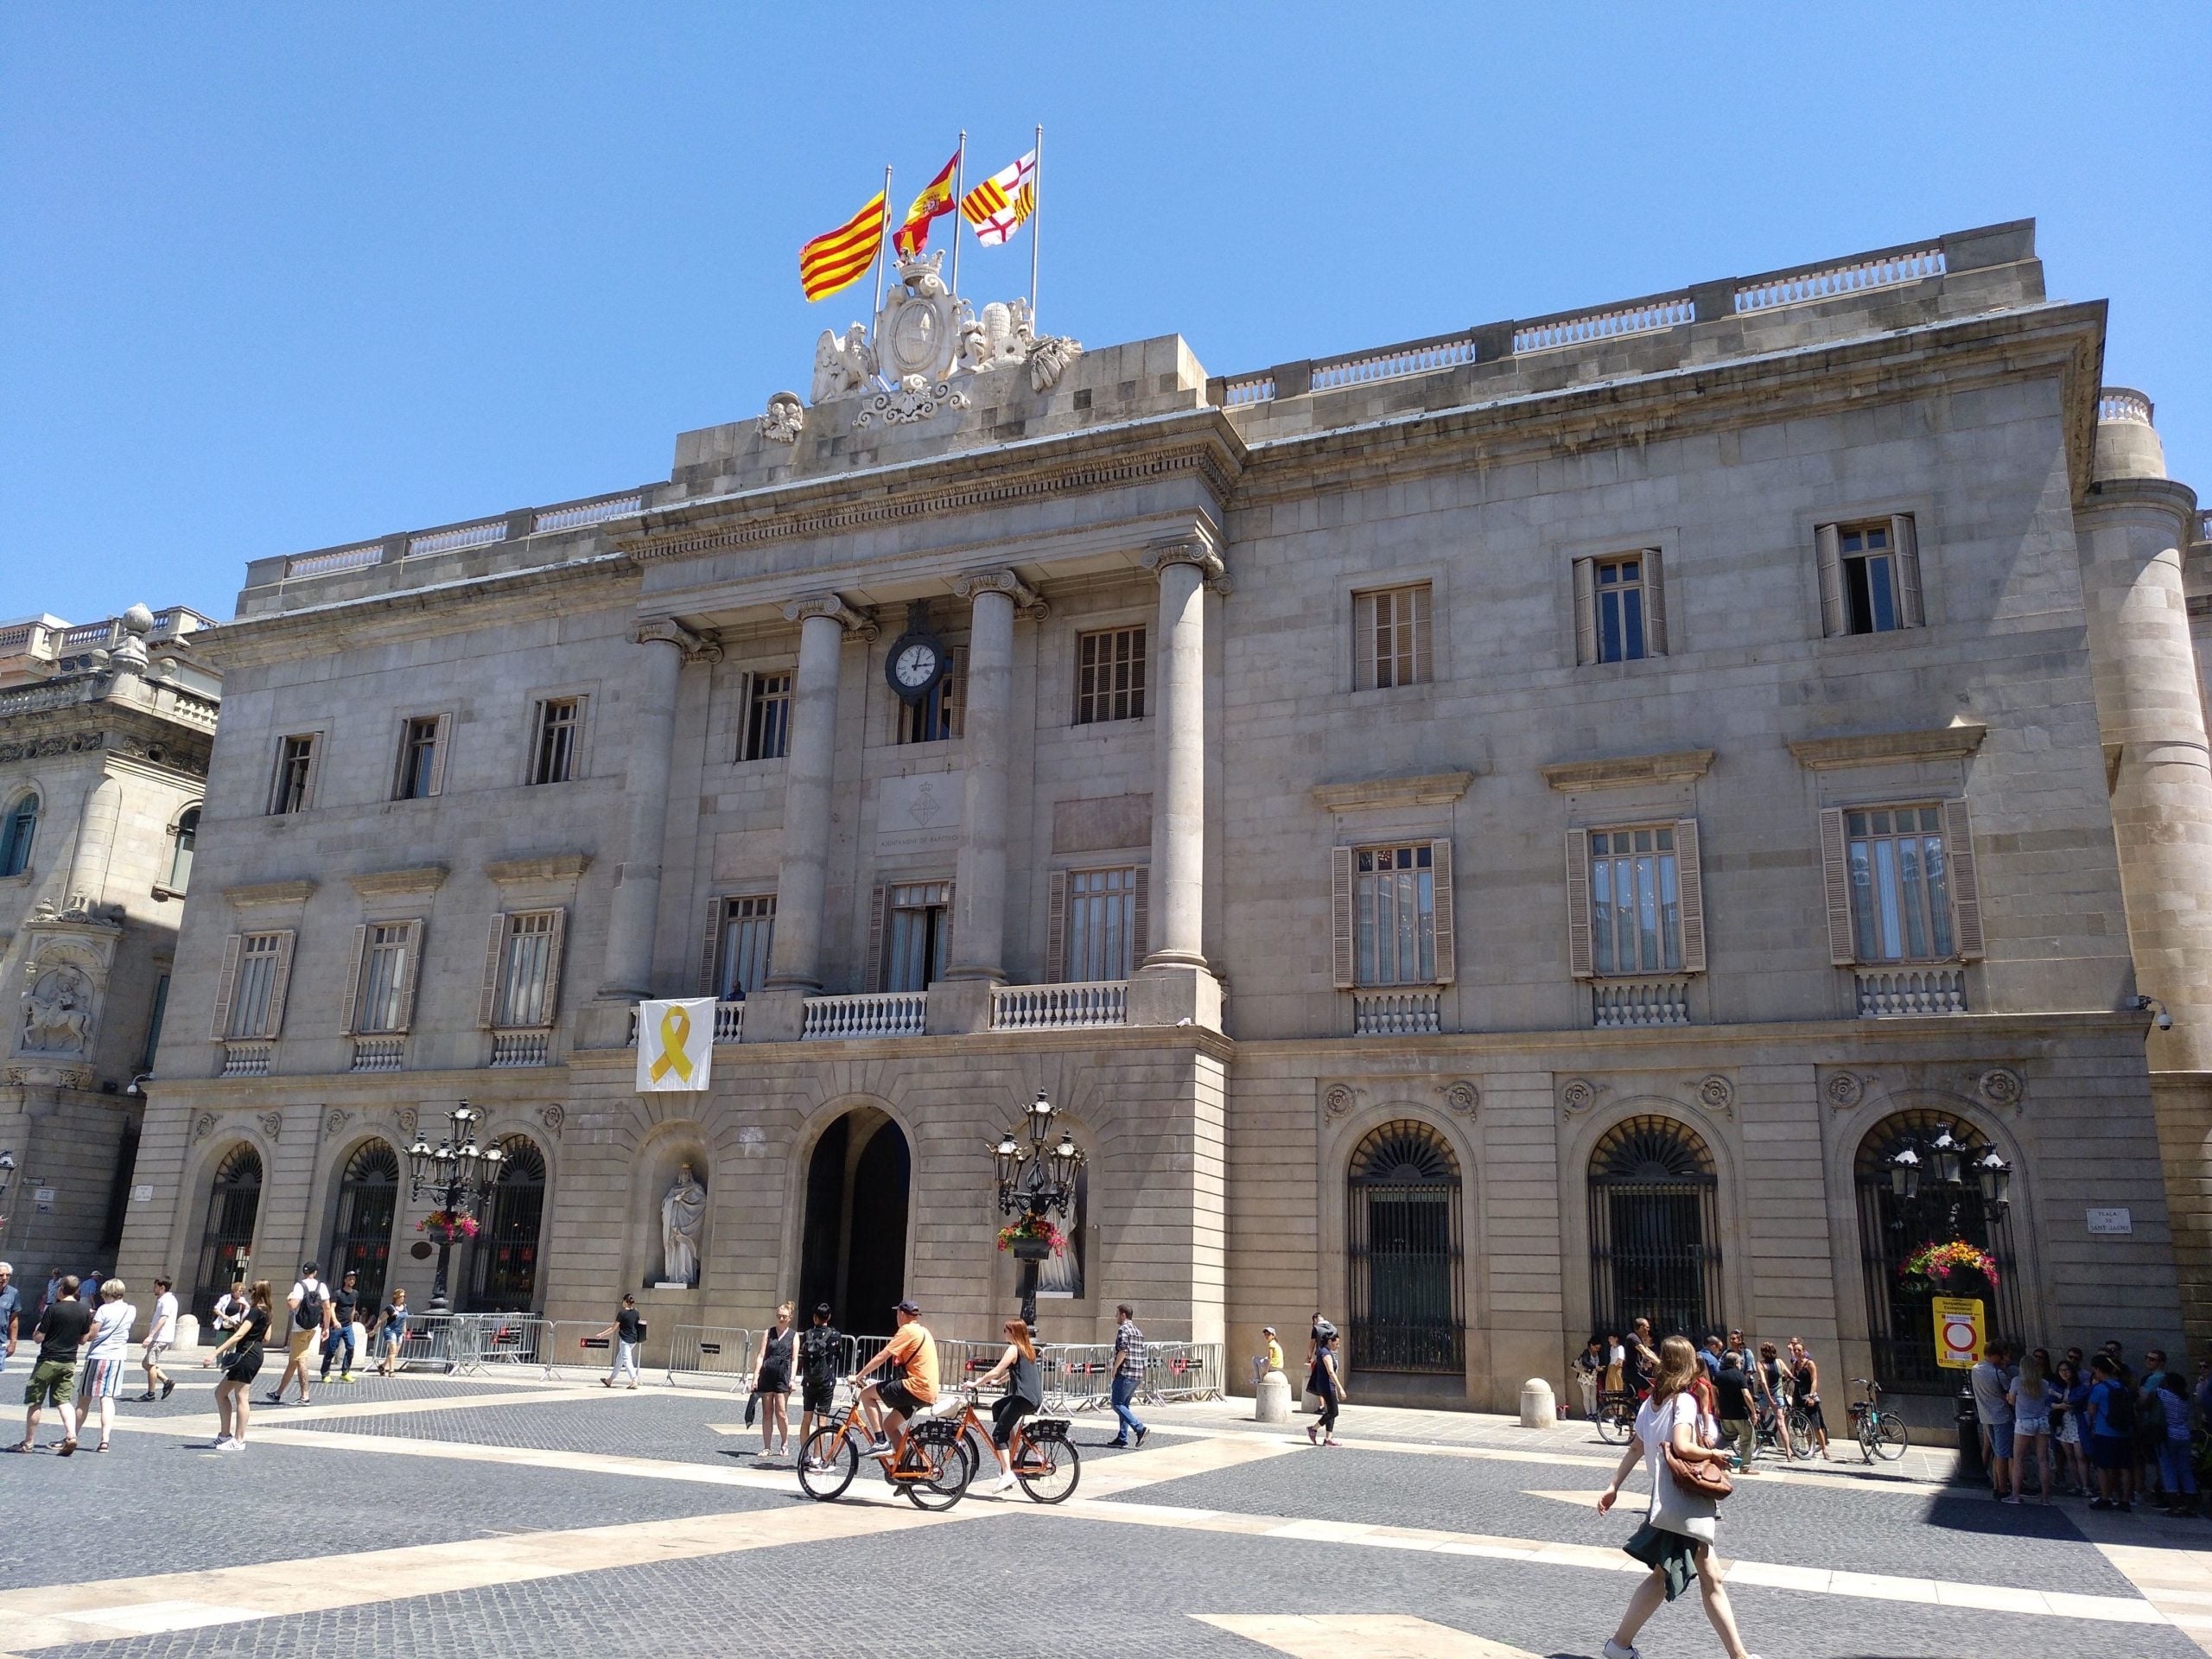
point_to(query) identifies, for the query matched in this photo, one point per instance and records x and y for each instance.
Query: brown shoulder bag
(1703, 1477)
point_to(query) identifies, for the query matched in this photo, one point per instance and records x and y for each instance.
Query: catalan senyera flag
(997, 206)
(840, 258)
(934, 202)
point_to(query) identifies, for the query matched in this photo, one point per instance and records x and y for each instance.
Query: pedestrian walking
(1326, 1382)
(1643, 1357)
(1739, 1414)
(2175, 1474)
(107, 1359)
(338, 1332)
(1681, 1527)
(1994, 1412)
(2070, 1401)
(53, 1290)
(11, 1312)
(1589, 1376)
(2110, 1422)
(60, 1330)
(1805, 1389)
(2030, 1396)
(310, 1306)
(241, 1355)
(1771, 1381)
(391, 1331)
(628, 1331)
(771, 1384)
(231, 1307)
(1127, 1375)
(1024, 1396)
(821, 1355)
(161, 1337)
(1709, 1356)
(88, 1287)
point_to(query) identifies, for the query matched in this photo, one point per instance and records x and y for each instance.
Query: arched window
(504, 1276)
(16, 832)
(182, 834)
(1892, 1226)
(1403, 1229)
(226, 1241)
(368, 1203)
(1655, 1237)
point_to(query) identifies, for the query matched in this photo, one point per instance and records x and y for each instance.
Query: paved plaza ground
(509, 1515)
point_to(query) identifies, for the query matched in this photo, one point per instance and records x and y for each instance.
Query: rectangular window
(936, 714)
(1869, 577)
(253, 1002)
(417, 777)
(386, 976)
(553, 751)
(748, 931)
(1636, 917)
(1391, 638)
(1101, 924)
(767, 717)
(1900, 883)
(294, 790)
(1109, 676)
(154, 1023)
(921, 935)
(1620, 610)
(525, 983)
(1393, 899)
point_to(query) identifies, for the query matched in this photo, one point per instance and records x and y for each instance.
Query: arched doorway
(503, 1274)
(226, 1240)
(853, 1254)
(1403, 1230)
(361, 1233)
(1900, 1324)
(1655, 1235)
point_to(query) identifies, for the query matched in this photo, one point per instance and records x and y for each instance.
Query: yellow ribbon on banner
(675, 1033)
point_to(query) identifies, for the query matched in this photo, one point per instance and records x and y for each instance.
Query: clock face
(916, 665)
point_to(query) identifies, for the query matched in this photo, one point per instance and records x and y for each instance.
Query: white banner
(675, 1044)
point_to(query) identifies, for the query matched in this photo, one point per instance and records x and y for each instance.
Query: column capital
(833, 606)
(1161, 554)
(693, 644)
(1026, 600)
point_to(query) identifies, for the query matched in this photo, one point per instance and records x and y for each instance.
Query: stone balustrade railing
(2124, 404)
(1396, 1014)
(482, 534)
(1418, 358)
(729, 1023)
(1832, 282)
(247, 1059)
(589, 513)
(1580, 328)
(1886, 992)
(1619, 1003)
(875, 1013)
(1060, 1008)
(521, 1047)
(379, 1053)
(343, 558)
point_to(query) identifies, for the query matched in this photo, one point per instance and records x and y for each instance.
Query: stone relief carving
(916, 400)
(272, 1123)
(1717, 1094)
(998, 339)
(334, 1124)
(785, 419)
(407, 1120)
(202, 1125)
(2002, 1086)
(919, 330)
(1049, 359)
(57, 1011)
(552, 1117)
(1462, 1097)
(1845, 1090)
(1578, 1093)
(1337, 1100)
(841, 366)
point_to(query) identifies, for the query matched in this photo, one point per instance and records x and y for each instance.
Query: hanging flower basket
(1954, 1269)
(1032, 1238)
(447, 1228)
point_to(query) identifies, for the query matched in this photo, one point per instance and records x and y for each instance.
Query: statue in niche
(682, 1221)
(58, 1012)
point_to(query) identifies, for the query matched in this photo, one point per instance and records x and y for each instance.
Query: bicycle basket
(1044, 1428)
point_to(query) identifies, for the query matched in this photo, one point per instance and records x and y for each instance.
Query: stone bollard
(1272, 1404)
(1538, 1410)
(187, 1332)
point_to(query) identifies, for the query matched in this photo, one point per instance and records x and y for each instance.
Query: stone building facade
(104, 733)
(1486, 838)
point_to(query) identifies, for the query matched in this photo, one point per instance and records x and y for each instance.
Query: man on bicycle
(912, 1351)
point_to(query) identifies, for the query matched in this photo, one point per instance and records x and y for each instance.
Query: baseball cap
(908, 1307)
(1267, 1329)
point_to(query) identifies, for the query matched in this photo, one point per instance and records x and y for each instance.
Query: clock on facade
(915, 663)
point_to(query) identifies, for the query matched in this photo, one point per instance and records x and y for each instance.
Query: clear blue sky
(278, 277)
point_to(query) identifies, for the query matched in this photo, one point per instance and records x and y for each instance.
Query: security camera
(2165, 1021)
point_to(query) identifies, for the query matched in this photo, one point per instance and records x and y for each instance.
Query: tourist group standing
(2090, 1427)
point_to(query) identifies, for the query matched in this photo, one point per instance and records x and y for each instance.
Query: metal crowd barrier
(715, 1352)
(574, 1350)
(1182, 1370)
(464, 1344)
(1079, 1376)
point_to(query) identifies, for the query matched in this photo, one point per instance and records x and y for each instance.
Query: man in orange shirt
(912, 1351)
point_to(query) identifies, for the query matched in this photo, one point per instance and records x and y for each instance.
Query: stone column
(1179, 794)
(795, 959)
(95, 827)
(986, 736)
(668, 645)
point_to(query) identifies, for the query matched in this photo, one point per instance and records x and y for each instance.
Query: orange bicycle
(927, 1459)
(1043, 1459)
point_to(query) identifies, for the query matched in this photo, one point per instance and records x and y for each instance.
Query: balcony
(878, 1013)
(521, 1047)
(729, 1023)
(246, 1059)
(1620, 1004)
(1060, 1008)
(1888, 993)
(379, 1053)
(1397, 1013)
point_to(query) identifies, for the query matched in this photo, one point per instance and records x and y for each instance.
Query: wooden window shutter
(711, 950)
(1056, 928)
(410, 974)
(1654, 604)
(1689, 877)
(1833, 619)
(956, 694)
(348, 1011)
(1835, 880)
(1424, 657)
(1578, 903)
(280, 982)
(1440, 859)
(1966, 884)
(1140, 917)
(1585, 611)
(439, 744)
(1343, 960)
(225, 988)
(487, 1004)
(879, 932)
(553, 965)
(1912, 608)
(1363, 642)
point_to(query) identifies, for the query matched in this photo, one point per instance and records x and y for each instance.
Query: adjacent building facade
(1487, 837)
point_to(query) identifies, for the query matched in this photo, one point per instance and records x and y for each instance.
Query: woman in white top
(1677, 1535)
(105, 1359)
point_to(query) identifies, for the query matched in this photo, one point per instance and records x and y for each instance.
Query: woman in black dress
(1326, 1382)
(771, 1384)
(234, 1394)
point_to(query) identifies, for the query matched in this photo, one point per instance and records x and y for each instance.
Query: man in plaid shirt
(1129, 1373)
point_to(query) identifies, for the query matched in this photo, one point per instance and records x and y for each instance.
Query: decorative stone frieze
(1377, 794)
(1676, 767)
(1953, 742)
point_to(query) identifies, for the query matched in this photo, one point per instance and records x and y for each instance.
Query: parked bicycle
(1769, 1438)
(1045, 1460)
(1881, 1433)
(927, 1459)
(1615, 1416)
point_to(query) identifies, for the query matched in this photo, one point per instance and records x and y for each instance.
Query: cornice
(270, 892)
(549, 866)
(426, 878)
(1953, 742)
(1625, 771)
(1372, 794)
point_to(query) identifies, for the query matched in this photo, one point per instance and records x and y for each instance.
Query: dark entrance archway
(852, 1249)
(226, 1240)
(361, 1233)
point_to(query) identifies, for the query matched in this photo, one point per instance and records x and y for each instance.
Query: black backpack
(2120, 1407)
(309, 1315)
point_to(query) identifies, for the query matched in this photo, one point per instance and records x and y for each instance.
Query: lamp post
(1946, 1171)
(1036, 1181)
(461, 1175)
(7, 1174)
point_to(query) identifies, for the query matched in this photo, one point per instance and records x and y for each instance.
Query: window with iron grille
(1394, 899)
(387, 975)
(553, 753)
(748, 934)
(1402, 1232)
(1109, 676)
(1635, 901)
(526, 982)
(767, 717)
(361, 1233)
(253, 1000)
(418, 774)
(226, 1238)
(504, 1275)
(1655, 1237)
(1391, 638)
(293, 788)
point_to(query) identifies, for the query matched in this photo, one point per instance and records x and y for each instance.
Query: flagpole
(1036, 223)
(882, 240)
(959, 172)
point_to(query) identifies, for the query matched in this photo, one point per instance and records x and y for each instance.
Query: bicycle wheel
(1889, 1436)
(1615, 1423)
(975, 1448)
(1049, 1470)
(1801, 1435)
(948, 1469)
(828, 1462)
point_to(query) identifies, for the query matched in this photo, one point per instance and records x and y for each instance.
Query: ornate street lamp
(460, 1175)
(1947, 1167)
(7, 1174)
(1035, 1182)
(1996, 1177)
(1905, 1174)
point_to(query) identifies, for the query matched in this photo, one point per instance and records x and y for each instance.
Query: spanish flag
(934, 202)
(997, 206)
(837, 260)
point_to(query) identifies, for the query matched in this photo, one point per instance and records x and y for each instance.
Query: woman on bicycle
(1024, 1396)
(1773, 1378)
(1327, 1384)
